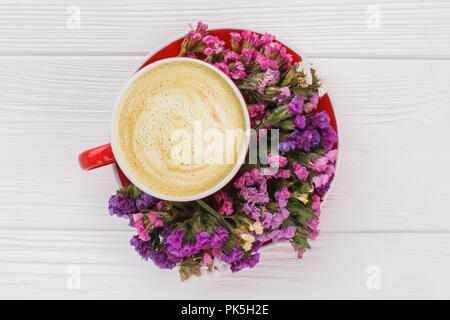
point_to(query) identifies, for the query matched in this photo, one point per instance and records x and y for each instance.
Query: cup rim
(241, 159)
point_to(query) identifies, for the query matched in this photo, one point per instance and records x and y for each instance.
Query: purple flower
(219, 237)
(300, 121)
(306, 139)
(202, 240)
(143, 248)
(252, 195)
(232, 256)
(329, 138)
(252, 210)
(176, 238)
(296, 104)
(145, 201)
(289, 232)
(284, 94)
(323, 189)
(320, 120)
(121, 205)
(248, 262)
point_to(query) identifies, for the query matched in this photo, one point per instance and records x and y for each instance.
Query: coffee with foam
(159, 117)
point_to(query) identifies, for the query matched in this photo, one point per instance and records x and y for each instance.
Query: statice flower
(306, 139)
(237, 71)
(235, 36)
(319, 164)
(252, 210)
(311, 103)
(248, 262)
(219, 237)
(140, 227)
(300, 171)
(226, 207)
(282, 196)
(325, 187)
(202, 240)
(315, 205)
(252, 195)
(232, 256)
(121, 205)
(284, 94)
(295, 106)
(176, 238)
(265, 63)
(248, 54)
(300, 121)
(144, 201)
(256, 113)
(314, 232)
(329, 138)
(222, 66)
(143, 248)
(269, 78)
(320, 120)
(276, 161)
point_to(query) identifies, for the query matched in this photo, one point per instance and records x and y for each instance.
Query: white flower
(257, 227)
(249, 239)
(305, 67)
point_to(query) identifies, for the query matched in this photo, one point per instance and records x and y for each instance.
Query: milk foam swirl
(176, 97)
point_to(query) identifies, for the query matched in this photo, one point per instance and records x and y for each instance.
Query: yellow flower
(257, 227)
(249, 239)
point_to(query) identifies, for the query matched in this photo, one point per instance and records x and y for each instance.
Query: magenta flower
(300, 171)
(315, 205)
(222, 66)
(235, 36)
(202, 26)
(320, 164)
(276, 161)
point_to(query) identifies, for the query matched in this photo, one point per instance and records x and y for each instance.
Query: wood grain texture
(35, 264)
(382, 120)
(319, 28)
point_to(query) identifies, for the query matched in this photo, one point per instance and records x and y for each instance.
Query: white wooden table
(387, 216)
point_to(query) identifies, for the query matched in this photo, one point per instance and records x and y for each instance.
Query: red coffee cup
(107, 154)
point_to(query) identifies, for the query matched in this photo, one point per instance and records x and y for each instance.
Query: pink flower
(320, 164)
(267, 38)
(332, 155)
(246, 35)
(202, 26)
(226, 204)
(283, 173)
(265, 63)
(238, 72)
(300, 253)
(314, 232)
(197, 36)
(216, 252)
(137, 217)
(282, 196)
(245, 180)
(207, 258)
(235, 36)
(153, 217)
(277, 161)
(248, 54)
(142, 232)
(315, 205)
(222, 66)
(284, 94)
(320, 180)
(230, 56)
(160, 204)
(300, 171)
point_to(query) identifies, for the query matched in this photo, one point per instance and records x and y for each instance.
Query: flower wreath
(228, 228)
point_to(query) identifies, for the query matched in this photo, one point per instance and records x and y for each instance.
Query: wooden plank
(320, 28)
(39, 264)
(392, 115)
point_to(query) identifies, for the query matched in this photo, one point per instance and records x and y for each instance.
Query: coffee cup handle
(96, 157)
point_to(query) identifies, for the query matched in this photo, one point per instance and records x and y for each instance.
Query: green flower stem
(215, 214)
